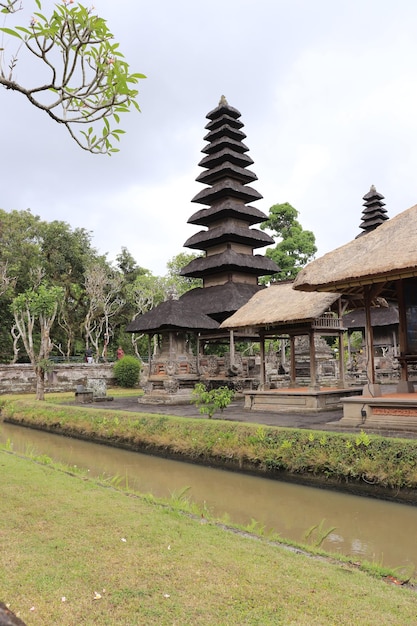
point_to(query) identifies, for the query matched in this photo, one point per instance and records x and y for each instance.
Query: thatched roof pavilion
(381, 257)
(280, 310)
(171, 315)
(382, 263)
(281, 307)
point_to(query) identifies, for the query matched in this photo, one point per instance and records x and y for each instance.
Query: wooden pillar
(341, 349)
(292, 362)
(232, 348)
(262, 357)
(371, 388)
(198, 354)
(342, 383)
(313, 367)
(282, 342)
(149, 353)
(369, 343)
(404, 386)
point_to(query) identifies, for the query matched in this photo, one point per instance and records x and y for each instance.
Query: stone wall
(64, 377)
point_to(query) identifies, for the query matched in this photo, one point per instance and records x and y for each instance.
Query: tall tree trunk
(40, 383)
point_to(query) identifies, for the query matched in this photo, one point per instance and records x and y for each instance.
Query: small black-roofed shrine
(229, 270)
(374, 214)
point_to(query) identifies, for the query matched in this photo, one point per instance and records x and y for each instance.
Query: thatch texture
(227, 187)
(380, 316)
(171, 315)
(226, 154)
(219, 301)
(226, 129)
(228, 232)
(227, 261)
(387, 253)
(226, 209)
(279, 305)
(229, 170)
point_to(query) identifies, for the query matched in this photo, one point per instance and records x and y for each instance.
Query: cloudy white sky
(328, 95)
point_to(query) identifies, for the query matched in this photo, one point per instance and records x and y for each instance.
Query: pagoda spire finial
(223, 101)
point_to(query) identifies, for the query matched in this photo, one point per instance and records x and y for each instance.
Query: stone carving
(171, 385)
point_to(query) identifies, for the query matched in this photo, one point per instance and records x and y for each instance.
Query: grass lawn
(77, 553)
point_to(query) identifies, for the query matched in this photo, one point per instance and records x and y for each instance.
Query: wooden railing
(328, 322)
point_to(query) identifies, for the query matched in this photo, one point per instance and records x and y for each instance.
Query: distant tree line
(59, 296)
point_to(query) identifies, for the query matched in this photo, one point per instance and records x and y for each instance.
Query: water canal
(375, 530)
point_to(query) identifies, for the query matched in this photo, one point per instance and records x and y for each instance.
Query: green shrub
(126, 371)
(208, 402)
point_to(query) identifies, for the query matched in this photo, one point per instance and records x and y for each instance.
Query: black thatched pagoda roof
(227, 209)
(228, 242)
(212, 160)
(227, 188)
(172, 315)
(240, 174)
(374, 214)
(380, 316)
(225, 233)
(220, 301)
(227, 218)
(230, 260)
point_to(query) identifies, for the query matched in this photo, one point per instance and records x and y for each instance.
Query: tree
(297, 246)
(143, 295)
(32, 250)
(84, 80)
(103, 290)
(177, 283)
(37, 307)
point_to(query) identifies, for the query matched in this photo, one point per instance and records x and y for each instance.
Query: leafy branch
(88, 81)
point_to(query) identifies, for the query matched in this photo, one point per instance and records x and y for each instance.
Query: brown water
(375, 530)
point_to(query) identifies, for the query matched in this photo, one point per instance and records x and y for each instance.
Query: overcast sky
(328, 95)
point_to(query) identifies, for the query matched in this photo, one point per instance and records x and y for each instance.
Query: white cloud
(327, 93)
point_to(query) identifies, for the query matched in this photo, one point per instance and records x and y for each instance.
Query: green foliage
(38, 303)
(126, 371)
(297, 246)
(384, 462)
(89, 84)
(208, 402)
(316, 534)
(177, 283)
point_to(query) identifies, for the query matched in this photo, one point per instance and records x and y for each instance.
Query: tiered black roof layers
(228, 241)
(374, 214)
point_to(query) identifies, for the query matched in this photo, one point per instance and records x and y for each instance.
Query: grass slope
(74, 552)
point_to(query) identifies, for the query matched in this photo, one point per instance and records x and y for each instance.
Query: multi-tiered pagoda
(229, 268)
(374, 214)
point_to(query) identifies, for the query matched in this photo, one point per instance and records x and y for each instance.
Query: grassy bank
(75, 552)
(359, 458)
